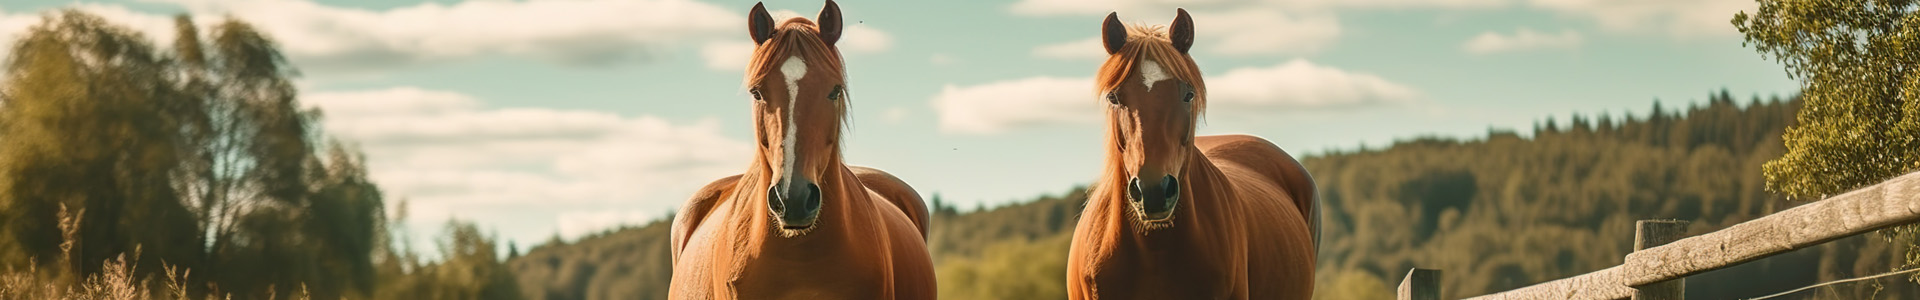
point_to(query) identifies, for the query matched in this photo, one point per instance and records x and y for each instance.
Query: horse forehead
(1151, 72)
(794, 69)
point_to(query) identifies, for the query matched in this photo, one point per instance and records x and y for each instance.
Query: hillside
(1495, 212)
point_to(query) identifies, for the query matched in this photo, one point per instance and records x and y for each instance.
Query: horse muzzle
(795, 203)
(1157, 201)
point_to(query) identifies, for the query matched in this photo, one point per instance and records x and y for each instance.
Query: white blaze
(1151, 73)
(794, 69)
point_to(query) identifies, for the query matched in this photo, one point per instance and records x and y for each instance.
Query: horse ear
(1113, 34)
(1181, 33)
(829, 23)
(759, 24)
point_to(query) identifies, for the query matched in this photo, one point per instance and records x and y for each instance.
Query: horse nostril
(813, 196)
(1171, 186)
(1133, 189)
(774, 201)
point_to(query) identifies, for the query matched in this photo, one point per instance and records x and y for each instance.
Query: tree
(279, 214)
(1860, 79)
(1856, 64)
(200, 158)
(470, 269)
(87, 127)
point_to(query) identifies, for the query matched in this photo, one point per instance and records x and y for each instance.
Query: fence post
(1420, 284)
(1653, 233)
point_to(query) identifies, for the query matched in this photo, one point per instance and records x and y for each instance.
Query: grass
(116, 280)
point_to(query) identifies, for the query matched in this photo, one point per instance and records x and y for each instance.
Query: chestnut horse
(800, 223)
(1176, 216)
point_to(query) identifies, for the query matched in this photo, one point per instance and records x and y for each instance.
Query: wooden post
(1420, 284)
(1653, 233)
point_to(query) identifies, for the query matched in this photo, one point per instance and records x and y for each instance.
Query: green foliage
(1860, 76)
(632, 263)
(1860, 79)
(82, 117)
(200, 159)
(470, 269)
(963, 236)
(1017, 251)
(1505, 211)
(1354, 286)
(1009, 269)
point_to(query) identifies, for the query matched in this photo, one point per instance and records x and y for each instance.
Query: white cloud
(1674, 17)
(1310, 19)
(1165, 7)
(159, 28)
(727, 55)
(402, 101)
(1248, 30)
(732, 55)
(860, 38)
(1256, 31)
(1300, 85)
(1087, 48)
(1521, 40)
(582, 32)
(999, 106)
(449, 154)
(895, 115)
(573, 32)
(574, 224)
(1392, 3)
(942, 59)
(12, 26)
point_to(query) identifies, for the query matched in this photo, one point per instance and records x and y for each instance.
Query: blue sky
(544, 117)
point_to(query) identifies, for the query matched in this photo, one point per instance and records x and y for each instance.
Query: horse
(1175, 216)
(800, 223)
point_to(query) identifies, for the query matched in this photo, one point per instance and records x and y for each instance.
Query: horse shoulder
(696, 210)
(897, 192)
(1264, 157)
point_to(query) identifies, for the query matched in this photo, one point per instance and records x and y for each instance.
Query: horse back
(696, 210)
(1262, 157)
(897, 192)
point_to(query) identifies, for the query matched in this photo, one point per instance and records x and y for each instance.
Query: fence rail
(1658, 272)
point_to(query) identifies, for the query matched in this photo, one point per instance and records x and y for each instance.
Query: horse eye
(1188, 98)
(756, 95)
(835, 95)
(1113, 98)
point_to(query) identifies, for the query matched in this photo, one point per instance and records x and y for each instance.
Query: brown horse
(800, 223)
(1176, 216)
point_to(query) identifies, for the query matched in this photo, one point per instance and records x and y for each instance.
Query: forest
(1494, 212)
(131, 171)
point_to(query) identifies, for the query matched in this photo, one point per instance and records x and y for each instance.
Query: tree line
(1503, 210)
(199, 162)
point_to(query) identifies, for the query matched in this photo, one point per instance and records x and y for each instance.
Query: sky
(543, 118)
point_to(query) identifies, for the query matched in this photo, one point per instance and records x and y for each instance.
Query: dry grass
(116, 280)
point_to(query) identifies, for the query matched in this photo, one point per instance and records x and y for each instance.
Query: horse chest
(820, 265)
(1167, 273)
(787, 277)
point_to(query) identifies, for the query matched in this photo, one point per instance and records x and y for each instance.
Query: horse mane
(1148, 42)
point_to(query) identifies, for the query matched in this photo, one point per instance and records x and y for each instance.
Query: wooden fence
(1659, 264)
